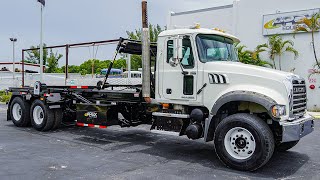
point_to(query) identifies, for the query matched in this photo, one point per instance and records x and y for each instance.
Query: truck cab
(200, 77)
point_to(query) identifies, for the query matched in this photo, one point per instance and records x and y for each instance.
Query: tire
(282, 147)
(244, 142)
(42, 118)
(20, 112)
(57, 118)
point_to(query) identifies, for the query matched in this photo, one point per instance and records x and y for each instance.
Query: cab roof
(174, 32)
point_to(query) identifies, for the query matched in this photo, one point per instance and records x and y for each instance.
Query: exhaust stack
(146, 66)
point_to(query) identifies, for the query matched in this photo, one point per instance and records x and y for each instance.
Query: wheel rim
(239, 143)
(16, 112)
(38, 115)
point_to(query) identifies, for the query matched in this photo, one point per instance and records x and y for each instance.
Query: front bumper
(295, 130)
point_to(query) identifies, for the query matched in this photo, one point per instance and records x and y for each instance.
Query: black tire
(24, 120)
(48, 116)
(263, 141)
(282, 147)
(58, 114)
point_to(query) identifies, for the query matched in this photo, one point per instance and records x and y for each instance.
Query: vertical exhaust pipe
(146, 66)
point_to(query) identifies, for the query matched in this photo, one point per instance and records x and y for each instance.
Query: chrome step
(171, 115)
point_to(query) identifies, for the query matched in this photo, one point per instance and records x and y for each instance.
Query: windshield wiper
(221, 59)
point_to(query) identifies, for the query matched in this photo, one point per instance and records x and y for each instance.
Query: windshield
(215, 48)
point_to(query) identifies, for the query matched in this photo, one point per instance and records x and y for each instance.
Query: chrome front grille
(299, 104)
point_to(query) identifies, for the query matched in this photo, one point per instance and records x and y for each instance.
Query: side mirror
(174, 62)
(177, 45)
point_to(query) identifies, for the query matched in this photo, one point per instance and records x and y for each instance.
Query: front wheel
(244, 142)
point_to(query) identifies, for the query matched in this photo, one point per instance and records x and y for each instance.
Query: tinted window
(169, 50)
(188, 58)
(216, 48)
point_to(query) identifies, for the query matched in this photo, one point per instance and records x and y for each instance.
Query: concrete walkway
(315, 114)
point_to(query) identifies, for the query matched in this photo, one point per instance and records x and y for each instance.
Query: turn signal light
(278, 111)
(165, 106)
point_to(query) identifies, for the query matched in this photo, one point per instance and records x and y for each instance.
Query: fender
(246, 96)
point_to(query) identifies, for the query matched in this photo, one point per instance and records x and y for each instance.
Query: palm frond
(289, 42)
(294, 51)
(265, 45)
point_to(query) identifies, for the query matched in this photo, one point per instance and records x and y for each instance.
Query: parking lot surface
(134, 153)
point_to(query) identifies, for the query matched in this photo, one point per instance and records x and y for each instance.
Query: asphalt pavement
(134, 153)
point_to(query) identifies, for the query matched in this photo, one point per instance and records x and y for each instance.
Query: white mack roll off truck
(198, 89)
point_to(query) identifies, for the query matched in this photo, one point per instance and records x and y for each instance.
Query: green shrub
(5, 97)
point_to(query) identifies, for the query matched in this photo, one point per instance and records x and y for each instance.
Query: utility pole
(13, 40)
(146, 66)
(42, 2)
(128, 60)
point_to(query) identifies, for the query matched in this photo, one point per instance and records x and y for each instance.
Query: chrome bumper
(295, 130)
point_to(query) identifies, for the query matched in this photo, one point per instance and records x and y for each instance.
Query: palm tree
(312, 25)
(252, 57)
(277, 46)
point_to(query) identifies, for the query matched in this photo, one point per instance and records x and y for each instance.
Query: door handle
(169, 91)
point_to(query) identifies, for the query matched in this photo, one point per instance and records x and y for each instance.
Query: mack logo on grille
(299, 90)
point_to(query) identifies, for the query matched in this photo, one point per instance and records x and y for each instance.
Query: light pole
(43, 3)
(13, 40)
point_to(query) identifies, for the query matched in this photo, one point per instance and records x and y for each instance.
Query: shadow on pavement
(179, 148)
(171, 148)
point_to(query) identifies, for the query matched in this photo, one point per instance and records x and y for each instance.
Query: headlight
(278, 111)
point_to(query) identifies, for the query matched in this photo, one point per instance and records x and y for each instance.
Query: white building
(252, 21)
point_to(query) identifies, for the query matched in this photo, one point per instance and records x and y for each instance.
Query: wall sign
(285, 23)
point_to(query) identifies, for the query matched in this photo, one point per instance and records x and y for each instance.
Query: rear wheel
(57, 118)
(42, 118)
(244, 142)
(20, 112)
(282, 147)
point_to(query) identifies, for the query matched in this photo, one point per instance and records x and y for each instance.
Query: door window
(188, 58)
(169, 50)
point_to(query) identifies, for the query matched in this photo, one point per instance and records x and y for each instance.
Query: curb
(316, 116)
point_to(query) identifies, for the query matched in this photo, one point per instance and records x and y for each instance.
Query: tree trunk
(280, 62)
(314, 50)
(274, 64)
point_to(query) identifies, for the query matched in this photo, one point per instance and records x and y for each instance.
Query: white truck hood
(249, 70)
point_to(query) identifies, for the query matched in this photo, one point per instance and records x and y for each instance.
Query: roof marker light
(220, 30)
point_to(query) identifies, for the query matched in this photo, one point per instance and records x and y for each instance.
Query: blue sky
(74, 21)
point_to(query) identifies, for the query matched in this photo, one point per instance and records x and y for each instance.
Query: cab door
(179, 80)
